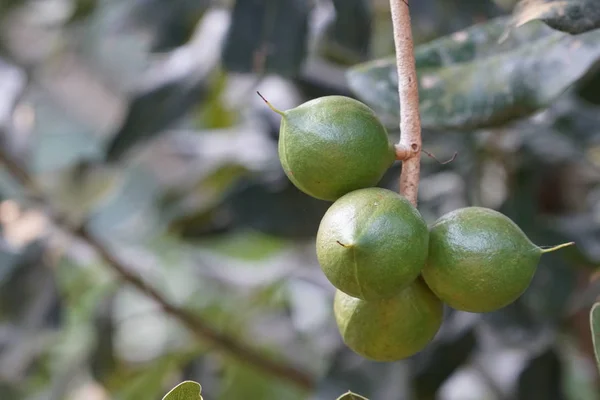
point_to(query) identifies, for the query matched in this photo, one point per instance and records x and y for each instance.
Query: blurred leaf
(477, 42)
(443, 360)
(206, 218)
(589, 88)
(482, 90)
(29, 294)
(173, 22)
(351, 396)
(103, 360)
(278, 211)
(249, 246)
(187, 390)
(9, 259)
(375, 380)
(348, 36)
(77, 190)
(6, 5)
(246, 382)
(572, 16)
(267, 36)
(595, 325)
(151, 112)
(83, 9)
(542, 378)
(146, 383)
(213, 112)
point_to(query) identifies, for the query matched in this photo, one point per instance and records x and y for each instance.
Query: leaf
(542, 378)
(267, 36)
(151, 112)
(595, 325)
(571, 16)
(467, 82)
(348, 36)
(188, 390)
(283, 212)
(245, 246)
(173, 22)
(444, 359)
(351, 396)
(242, 381)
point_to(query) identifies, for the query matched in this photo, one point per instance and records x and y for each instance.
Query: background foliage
(139, 119)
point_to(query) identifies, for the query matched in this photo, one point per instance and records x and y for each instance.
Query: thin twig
(441, 162)
(408, 150)
(200, 328)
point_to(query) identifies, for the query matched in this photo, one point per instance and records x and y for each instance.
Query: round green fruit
(333, 145)
(392, 329)
(480, 260)
(372, 243)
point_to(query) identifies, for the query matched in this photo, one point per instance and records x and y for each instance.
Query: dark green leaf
(348, 36)
(571, 16)
(467, 82)
(103, 359)
(443, 360)
(267, 36)
(173, 22)
(151, 113)
(242, 381)
(279, 211)
(187, 390)
(542, 378)
(83, 9)
(31, 285)
(351, 396)
(595, 324)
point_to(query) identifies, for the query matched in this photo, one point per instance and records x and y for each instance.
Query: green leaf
(188, 390)
(542, 379)
(173, 22)
(470, 81)
(572, 16)
(267, 36)
(241, 381)
(351, 396)
(348, 36)
(595, 324)
(151, 112)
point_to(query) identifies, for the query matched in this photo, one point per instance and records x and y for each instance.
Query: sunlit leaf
(595, 324)
(572, 16)
(241, 381)
(249, 246)
(351, 396)
(188, 390)
(468, 82)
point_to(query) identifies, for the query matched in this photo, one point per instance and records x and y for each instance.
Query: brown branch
(408, 150)
(200, 328)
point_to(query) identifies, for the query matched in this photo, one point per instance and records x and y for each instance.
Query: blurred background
(136, 154)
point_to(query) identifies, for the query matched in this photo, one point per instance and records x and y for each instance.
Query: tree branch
(200, 328)
(408, 150)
